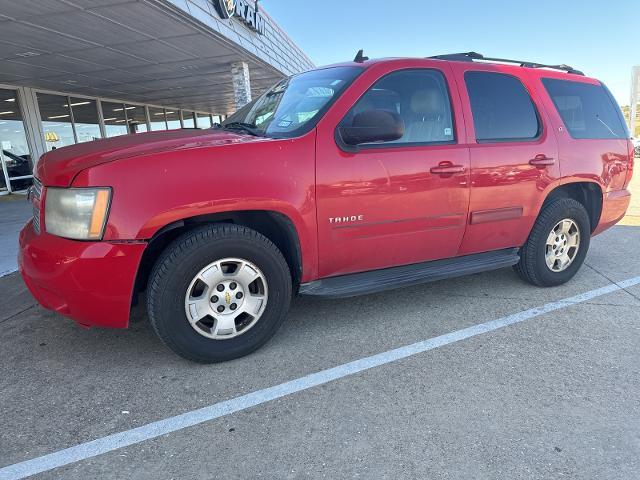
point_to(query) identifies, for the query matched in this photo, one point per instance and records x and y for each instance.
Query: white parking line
(196, 417)
(4, 273)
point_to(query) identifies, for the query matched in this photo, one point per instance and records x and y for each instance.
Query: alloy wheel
(226, 298)
(562, 245)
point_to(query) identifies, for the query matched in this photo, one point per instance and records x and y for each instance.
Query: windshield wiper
(607, 126)
(245, 127)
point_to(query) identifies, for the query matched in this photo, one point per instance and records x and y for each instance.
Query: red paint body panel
(62, 165)
(605, 162)
(501, 176)
(614, 207)
(397, 211)
(257, 174)
(409, 214)
(91, 282)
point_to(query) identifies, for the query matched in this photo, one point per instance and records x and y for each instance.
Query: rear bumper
(90, 282)
(614, 208)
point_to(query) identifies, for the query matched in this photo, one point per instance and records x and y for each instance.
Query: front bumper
(90, 282)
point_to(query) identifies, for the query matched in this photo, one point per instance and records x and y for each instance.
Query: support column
(32, 123)
(241, 84)
(635, 98)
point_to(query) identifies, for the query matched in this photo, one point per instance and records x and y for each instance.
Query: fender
(183, 212)
(271, 175)
(306, 236)
(594, 209)
(598, 211)
(586, 178)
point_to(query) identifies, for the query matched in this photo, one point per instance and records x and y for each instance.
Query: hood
(59, 167)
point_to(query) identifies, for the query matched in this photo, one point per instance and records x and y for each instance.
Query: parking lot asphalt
(555, 396)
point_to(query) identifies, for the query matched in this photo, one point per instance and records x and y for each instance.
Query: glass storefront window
(187, 119)
(115, 122)
(173, 119)
(137, 118)
(203, 120)
(67, 120)
(56, 121)
(156, 119)
(85, 118)
(13, 141)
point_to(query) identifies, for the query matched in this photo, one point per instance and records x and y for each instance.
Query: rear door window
(588, 111)
(502, 108)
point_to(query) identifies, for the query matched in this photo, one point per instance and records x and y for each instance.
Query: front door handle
(448, 168)
(542, 160)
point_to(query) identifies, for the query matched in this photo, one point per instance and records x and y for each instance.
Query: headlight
(77, 213)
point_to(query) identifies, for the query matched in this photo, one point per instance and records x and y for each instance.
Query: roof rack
(471, 56)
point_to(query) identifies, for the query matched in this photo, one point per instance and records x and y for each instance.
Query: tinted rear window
(588, 111)
(502, 108)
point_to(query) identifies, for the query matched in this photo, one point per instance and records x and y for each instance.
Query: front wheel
(557, 245)
(218, 292)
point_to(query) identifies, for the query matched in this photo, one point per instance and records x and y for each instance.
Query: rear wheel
(557, 245)
(218, 292)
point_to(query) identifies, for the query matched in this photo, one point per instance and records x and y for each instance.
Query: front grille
(37, 188)
(36, 195)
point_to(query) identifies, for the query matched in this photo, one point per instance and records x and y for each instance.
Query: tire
(532, 266)
(175, 276)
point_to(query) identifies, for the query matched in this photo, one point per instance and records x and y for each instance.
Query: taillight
(630, 164)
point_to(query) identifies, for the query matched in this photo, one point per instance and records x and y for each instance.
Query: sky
(593, 36)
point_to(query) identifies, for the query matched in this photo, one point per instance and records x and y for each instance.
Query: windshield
(293, 106)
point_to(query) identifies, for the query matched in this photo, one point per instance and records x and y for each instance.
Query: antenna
(360, 58)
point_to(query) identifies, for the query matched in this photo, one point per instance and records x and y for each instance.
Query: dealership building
(74, 71)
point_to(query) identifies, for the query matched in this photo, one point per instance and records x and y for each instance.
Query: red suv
(346, 180)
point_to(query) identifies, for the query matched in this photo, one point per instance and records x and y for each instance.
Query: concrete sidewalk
(14, 213)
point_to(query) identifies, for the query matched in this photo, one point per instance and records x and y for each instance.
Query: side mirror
(372, 126)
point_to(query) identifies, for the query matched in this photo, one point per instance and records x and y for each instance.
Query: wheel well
(587, 193)
(276, 227)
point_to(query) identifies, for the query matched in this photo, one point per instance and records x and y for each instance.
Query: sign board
(244, 11)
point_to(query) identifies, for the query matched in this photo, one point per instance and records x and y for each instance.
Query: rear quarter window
(588, 111)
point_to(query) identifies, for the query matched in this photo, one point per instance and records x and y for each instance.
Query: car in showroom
(18, 169)
(346, 180)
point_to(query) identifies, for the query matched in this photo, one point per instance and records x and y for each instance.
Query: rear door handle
(542, 161)
(448, 168)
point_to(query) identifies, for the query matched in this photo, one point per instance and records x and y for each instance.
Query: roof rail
(471, 56)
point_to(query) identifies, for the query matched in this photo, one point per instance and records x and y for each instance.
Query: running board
(390, 278)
